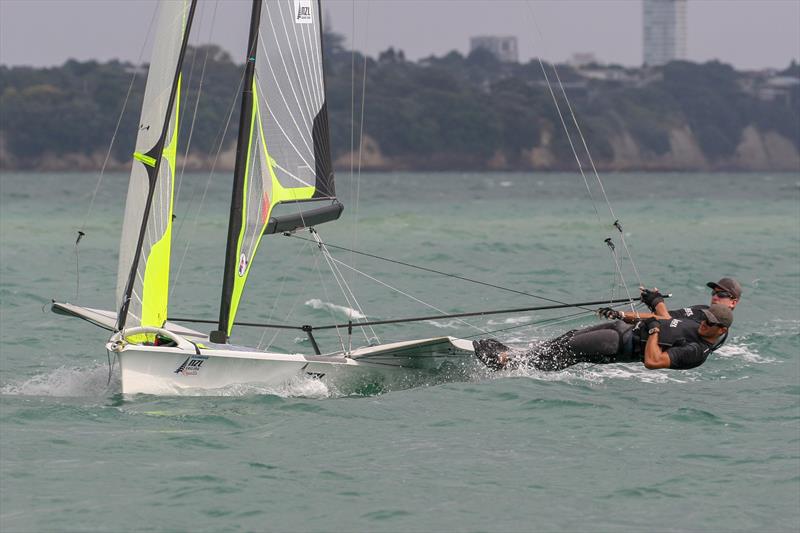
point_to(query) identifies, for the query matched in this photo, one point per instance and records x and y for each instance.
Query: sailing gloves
(651, 325)
(610, 314)
(651, 298)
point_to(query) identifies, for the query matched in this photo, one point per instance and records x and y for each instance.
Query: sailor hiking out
(679, 339)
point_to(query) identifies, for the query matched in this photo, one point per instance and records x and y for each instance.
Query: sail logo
(674, 323)
(191, 366)
(688, 311)
(242, 264)
(302, 12)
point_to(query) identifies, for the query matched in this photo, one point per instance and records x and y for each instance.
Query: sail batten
(283, 154)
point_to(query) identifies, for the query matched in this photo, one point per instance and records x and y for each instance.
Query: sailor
(685, 336)
(726, 291)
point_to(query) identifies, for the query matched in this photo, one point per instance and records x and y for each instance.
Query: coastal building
(503, 48)
(581, 59)
(664, 31)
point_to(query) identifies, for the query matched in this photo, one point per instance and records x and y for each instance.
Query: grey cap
(719, 314)
(727, 284)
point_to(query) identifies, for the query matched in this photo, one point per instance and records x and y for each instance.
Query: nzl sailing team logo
(302, 12)
(192, 365)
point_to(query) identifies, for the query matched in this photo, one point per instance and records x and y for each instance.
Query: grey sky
(746, 33)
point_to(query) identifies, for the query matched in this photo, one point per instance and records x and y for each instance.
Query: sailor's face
(723, 298)
(711, 330)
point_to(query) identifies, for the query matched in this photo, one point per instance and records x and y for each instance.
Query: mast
(151, 161)
(240, 168)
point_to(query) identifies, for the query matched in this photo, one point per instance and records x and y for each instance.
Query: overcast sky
(745, 33)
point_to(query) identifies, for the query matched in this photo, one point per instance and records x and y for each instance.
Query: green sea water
(610, 448)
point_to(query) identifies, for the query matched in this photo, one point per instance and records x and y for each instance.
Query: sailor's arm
(632, 317)
(654, 356)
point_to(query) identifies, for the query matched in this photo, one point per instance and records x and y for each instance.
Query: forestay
(143, 271)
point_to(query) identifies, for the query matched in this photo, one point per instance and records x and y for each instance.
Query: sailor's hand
(610, 314)
(651, 298)
(652, 325)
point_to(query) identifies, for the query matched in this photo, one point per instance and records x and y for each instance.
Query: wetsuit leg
(597, 344)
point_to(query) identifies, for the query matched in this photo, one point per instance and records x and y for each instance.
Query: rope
(330, 311)
(277, 299)
(197, 101)
(409, 296)
(340, 280)
(616, 223)
(81, 231)
(439, 272)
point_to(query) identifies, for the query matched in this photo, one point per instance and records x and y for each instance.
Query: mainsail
(144, 253)
(284, 146)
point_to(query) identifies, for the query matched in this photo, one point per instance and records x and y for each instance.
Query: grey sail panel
(291, 98)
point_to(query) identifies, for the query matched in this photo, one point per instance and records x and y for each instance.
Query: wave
(300, 387)
(93, 382)
(347, 312)
(600, 373)
(743, 351)
(66, 382)
(510, 321)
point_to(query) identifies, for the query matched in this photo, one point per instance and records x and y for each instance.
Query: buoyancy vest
(674, 332)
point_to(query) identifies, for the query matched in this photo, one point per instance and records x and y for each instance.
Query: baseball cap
(727, 284)
(719, 314)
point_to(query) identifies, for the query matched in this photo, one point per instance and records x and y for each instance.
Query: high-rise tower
(664, 23)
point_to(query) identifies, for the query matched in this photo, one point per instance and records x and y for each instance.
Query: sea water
(616, 447)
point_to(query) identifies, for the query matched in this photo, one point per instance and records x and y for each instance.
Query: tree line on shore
(451, 112)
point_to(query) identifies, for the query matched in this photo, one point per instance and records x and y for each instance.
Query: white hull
(188, 366)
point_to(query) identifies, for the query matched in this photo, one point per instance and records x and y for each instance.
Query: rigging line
(339, 277)
(461, 315)
(330, 311)
(548, 321)
(597, 177)
(564, 124)
(355, 299)
(433, 271)
(197, 104)
(621, 277)
(353, 121)
(356, 210)
(179, 119)
(301, 296)
(119, 122)
(277, 298)
(412, 319)
(409, 296)
(588, 153)
(569, 138)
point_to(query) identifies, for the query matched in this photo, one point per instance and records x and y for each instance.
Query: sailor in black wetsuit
(685, 336)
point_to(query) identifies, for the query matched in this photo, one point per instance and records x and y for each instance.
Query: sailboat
(283, 159)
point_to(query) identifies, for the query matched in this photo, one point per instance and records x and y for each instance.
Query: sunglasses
(723, 294)
(713, 324)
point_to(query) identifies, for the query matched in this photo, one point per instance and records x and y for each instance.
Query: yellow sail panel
(155, 289)
(262, 191)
